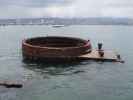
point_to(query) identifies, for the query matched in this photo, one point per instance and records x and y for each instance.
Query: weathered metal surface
(55, 47)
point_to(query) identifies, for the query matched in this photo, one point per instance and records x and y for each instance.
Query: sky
(65, 8)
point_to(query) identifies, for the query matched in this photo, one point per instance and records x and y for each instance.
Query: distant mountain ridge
(68, 21)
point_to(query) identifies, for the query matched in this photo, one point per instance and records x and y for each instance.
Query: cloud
(118, 12)
(77, 8)
(66, 8)
(119, 3)
(53, 11)
(118, 8)
(33, 3)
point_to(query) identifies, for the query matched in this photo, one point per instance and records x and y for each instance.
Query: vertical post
(118, 57)
(100, 46)
(100, 51)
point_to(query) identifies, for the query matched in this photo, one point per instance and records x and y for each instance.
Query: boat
(58, 26)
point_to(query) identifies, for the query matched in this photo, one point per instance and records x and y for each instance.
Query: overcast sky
(66, 8)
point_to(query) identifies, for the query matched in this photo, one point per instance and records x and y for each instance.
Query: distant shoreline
(67, 21)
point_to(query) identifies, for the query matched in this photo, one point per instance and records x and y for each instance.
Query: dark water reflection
(55, 68)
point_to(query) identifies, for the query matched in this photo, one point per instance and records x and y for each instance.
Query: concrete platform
(108, 56)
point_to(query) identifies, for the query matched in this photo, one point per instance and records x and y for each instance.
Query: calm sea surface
(80, 81)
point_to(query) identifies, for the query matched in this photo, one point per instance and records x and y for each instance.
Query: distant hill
(67, 21)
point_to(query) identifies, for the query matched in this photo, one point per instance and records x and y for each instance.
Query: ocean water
(88, 80)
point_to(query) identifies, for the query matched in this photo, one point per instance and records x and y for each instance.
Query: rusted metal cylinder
(54, 47)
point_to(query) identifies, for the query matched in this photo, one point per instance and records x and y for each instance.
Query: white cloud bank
(66, 8)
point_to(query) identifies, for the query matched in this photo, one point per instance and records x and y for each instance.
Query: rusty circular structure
(54, 47)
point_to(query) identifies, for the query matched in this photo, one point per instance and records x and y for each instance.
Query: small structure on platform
(58, 49)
